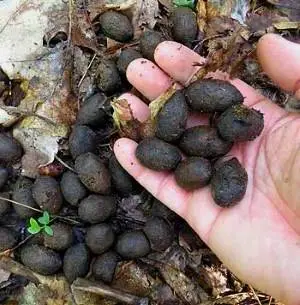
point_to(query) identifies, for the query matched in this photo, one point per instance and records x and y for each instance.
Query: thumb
(280, 59)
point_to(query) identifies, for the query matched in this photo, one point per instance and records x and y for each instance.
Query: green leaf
(185, 3)
(48, 230)
(33, 230)
(45, 219)
(34, 224)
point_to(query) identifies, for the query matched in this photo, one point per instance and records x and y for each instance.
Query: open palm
(258, 239)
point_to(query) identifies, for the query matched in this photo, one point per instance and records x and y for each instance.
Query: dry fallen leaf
(133, 279)
(4, 275)
(291, 4)
(185, 288)
(44, 76)
(287, 25)
(144, 14)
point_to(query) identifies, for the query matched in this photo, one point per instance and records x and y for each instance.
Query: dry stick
(65, 164)
(38, 210)
(21, 204)
(108, 292)
(8, 251)
(14, 110)
(270, 301)
(70, 4)
(86, 71)
(10, 265)
(255, 295)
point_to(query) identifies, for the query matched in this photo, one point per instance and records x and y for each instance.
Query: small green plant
(42, 224)
(185, 3)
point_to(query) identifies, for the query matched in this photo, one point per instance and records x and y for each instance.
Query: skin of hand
(259, 238)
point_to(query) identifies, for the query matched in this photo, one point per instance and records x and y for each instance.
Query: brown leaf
(216, 279)
(124, 120)
(144, 14)
(261, 22)
(133, 279)
(185, 288)
(81, 40)
(286, 25)
(209, 9)
(201, 15)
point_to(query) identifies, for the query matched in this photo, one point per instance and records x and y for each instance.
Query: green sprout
(42, 224)
(184, 3)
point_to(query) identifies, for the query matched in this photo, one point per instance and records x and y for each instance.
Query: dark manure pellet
(125, 58)
(157, 154)
(172, 118)
(240, 123)
(104, 266)
(159, 232)
(212, 95)
(93, 173)
(22, 193)
(41, 259)
(204, 141)
(4, 205)
(3, 176)
(133, 244)
(184, 25)
(82, 140)
(149, 40)
(76, 262)
(72, 188)
(121, 180)
(47, 194)
(10, 149)
(228, 183)
(116, 26)
(62, 237)
(193, 173)
(93, 111)
(7, 239)
(99, 238)
(108, 77)
(97, 208)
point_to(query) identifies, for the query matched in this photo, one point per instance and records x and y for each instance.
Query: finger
(180, 62)
(280, 59)
(139, 109)
(147, 78)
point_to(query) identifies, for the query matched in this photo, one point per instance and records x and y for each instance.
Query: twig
(65, 164)
(8, 251)
(38, 210)
(10, 265)
(14, 110)
(270, 301)
(67, 219)
(255, 295)
(108, 292)
(70, 22)
(87, 69)
(206, 39)
(21, 204)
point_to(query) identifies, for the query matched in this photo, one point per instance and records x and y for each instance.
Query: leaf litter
(42, 118)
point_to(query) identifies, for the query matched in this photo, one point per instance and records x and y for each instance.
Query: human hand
(259, 238)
